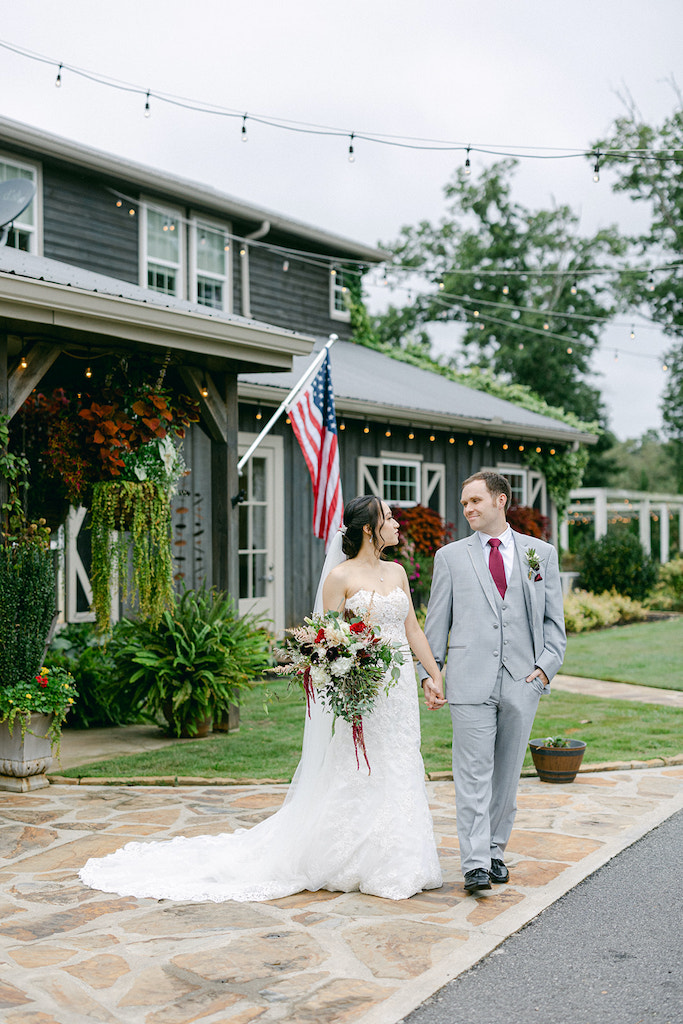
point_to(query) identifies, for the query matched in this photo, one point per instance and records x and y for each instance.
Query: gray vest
(517, 645)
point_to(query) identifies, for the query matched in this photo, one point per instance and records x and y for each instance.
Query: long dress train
(340, 828)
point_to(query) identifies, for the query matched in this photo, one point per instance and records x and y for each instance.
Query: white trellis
(603, 507)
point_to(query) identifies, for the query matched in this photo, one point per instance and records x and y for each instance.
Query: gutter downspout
(244, 266)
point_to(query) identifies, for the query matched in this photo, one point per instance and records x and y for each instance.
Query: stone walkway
(74, 956)
(619, 691)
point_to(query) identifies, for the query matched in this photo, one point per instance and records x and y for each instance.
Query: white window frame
(35, 230)
(534, 485)
(337, 290)
(429, 476)
(197, 222)
(174, 213)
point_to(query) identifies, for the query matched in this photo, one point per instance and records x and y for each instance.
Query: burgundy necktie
(496, 566)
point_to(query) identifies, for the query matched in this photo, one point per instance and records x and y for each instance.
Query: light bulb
(259, 414)
(573, 288)
(520, 346)
(470, 442)
(468, 169)
(432, 437)
(23, 364)
(387, 433)
(506, 290)
(633, 334)
(352, 158)
(245, 137)
(505, 447)
(411, 435)
(569, 351)
(204, 391)
(552, 451)
(88, 372)
(58, 79)
(546, 326)
(119, 203)
(131, 212)
(538, 450)
(285, 266)
(148, 112)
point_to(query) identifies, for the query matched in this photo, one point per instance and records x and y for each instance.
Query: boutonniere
(534, 565)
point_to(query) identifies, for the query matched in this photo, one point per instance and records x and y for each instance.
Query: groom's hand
(433, 690)
(538, 672)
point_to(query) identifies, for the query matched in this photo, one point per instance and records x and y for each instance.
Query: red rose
(320, 637)
(357, 627)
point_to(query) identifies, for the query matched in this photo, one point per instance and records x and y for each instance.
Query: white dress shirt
(507, 550)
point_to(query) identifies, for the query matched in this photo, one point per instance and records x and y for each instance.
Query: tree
(648, 164)
(645, 463)
(493, 266)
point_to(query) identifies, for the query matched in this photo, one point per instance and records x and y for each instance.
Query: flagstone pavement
(71, 955)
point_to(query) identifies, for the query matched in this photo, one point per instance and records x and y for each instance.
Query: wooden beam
(21, 383)
(211, 406)
(225, 485)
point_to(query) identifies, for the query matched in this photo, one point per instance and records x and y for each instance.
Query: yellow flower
(71, 700)
(29, 695)
(44, 671)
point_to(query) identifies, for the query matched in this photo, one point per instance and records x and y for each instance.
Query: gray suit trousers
(489, 743)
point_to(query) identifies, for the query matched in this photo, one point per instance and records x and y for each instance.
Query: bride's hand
(433, 691)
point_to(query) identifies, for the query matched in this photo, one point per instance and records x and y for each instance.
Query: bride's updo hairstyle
(360, 512)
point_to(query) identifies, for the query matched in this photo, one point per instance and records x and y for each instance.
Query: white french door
(261, 532)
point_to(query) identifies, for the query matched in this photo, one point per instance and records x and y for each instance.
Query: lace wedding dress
(340, 828)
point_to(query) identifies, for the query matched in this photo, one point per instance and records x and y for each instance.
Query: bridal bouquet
(346, 663)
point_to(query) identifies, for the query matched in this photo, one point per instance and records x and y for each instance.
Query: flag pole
(287, 401)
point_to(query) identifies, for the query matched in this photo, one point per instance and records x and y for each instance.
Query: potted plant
(28, 746)
(192, 666)
(28, 692)
(556, 758)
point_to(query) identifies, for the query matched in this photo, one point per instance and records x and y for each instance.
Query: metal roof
(190, 192)
(371, 384)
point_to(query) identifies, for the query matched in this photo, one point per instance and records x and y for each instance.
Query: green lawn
(649, 653)
(268, 745)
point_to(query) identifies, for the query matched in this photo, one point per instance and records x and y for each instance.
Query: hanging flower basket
(131, 530)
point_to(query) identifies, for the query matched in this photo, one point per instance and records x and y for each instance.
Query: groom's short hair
(495, 484)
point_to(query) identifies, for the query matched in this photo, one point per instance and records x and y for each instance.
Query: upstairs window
(163, 251)
(339, 293)
(211, 264)
(25, 232)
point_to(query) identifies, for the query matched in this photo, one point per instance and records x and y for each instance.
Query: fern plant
(194, 664)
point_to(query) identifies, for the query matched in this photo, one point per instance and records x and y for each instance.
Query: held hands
(433, 690)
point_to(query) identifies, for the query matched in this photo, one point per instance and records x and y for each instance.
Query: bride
(340, 828)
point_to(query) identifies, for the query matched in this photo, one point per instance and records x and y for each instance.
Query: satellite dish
(15, 195)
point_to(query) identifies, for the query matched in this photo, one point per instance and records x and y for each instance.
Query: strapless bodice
(385, 611)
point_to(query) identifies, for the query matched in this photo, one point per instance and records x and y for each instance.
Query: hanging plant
(131, 520)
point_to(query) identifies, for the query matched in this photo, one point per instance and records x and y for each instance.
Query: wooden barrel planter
(557, 764)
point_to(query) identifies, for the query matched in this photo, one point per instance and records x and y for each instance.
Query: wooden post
(225, 485)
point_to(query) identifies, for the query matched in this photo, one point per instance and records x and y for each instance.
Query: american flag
(315, 425)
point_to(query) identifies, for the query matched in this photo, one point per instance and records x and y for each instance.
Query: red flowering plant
(51, 692)
(344, 662)
(532, 522)
(422, 532)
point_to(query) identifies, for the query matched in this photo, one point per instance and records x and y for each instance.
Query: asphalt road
(608, 952)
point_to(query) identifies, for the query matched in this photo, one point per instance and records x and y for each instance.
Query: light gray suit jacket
(463, 619)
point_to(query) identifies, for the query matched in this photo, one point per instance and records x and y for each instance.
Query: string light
(451, 440)
(23, 362)
(411, 436)
(148, 112)
(58, 79)
(245, 137)
(131, 212)
(470, 442)
(633, 333)
(119, 203)
(521, 447)
(574, 288)
(432, 437)
(506, 289)
(352, 158)
(468, 169)
(342, 426)
(387, 433)
(650, 283)
(259, 414)
(366, 429)
(596, 168)
(204, 391)
(505, 447)
(538, 451)
(88, 372)
(552, 451)
(285, 266)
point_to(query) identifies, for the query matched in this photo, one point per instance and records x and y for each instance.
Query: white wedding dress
(340, 828)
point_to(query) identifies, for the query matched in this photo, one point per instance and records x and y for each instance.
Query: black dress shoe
(476, 880)
(498, 872)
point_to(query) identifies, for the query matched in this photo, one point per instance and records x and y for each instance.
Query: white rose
(341, 666)
(319, 676)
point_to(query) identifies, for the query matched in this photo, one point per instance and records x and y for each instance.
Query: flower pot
(557, 764)
(228, 722)
(203, 724)
(24, 760)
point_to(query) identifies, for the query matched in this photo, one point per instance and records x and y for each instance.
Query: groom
(496, 609)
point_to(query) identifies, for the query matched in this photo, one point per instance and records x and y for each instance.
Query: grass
(268, 745)
(648, 653)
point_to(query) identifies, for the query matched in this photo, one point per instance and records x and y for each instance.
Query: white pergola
(603, 506)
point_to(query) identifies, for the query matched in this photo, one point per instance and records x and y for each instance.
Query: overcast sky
(533, 73)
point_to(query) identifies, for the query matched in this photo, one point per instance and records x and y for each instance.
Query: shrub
(618, 562)
(529, 521)
(78, 649)
(422, 533)
(668, 594)
(27, 608)
(584, 611)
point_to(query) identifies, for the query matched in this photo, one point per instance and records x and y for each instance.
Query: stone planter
(24, 761)
(557, 764)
